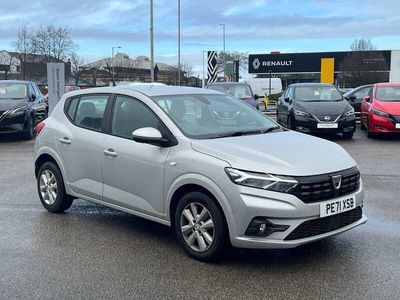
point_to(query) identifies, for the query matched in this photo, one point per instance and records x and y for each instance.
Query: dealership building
(323, 66)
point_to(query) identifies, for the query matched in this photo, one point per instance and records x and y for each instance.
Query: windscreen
(317, 93)
(213, 116)
(12, 91)
(388, 93)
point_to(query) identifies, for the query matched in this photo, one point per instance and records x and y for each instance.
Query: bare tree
(364, 65)
(53, 42)
(77, 62)
(25, 45)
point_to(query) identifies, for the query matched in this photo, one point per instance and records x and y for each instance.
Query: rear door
(133, 173)
(79, 140)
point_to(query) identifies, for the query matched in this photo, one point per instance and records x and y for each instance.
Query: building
(130, 69)
(23, 66)
(341, 68)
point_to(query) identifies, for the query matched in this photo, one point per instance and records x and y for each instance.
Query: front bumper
(379, 124)
(282, 209)
(11, 124)
(310, 125)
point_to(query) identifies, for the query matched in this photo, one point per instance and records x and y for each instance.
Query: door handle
(65, 140)
(110, 152)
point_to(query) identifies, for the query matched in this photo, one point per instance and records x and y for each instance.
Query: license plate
(398, 126)
(327, 125)
(337, 206)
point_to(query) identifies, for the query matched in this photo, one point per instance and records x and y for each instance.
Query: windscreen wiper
(248, 132)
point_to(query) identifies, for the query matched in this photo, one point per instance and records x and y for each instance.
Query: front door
(133, 173)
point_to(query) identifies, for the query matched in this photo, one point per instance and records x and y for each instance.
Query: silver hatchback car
(212, 167)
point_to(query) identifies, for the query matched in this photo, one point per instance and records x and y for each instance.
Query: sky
(253, 26)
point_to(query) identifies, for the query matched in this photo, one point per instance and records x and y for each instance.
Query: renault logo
(337, 181)
(256, 64)
(327, 118)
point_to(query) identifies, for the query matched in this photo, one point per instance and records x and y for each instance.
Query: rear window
(87, 111)
(388, 93)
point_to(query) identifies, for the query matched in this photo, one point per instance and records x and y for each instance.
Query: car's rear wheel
(200, 227)
(50, 185)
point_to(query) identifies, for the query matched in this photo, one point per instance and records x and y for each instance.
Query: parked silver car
(212, 167)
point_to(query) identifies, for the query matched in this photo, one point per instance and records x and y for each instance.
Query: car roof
(148, 90)
(311, 84)
(228, 83)
(387, 84)
(15, 81)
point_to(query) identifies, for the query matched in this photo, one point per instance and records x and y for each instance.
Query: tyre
(29, 132)
(290, 124)
(200, 227)
(370, 135)
(348, 135)
(50, 185)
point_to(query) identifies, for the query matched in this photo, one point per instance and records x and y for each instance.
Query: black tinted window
(90, 112)
(130, 114)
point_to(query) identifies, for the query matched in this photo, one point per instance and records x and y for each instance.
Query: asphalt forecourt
(94, 252)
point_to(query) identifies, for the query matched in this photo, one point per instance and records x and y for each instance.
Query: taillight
(39, 127)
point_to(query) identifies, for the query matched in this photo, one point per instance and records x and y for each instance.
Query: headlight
(17, 111)
(276, 183)
(301, 113)
(349, 113)
(380, 113)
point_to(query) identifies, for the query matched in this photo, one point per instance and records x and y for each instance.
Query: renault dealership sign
(297, 62)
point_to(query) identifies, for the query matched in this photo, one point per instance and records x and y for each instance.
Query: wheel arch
(203, 185)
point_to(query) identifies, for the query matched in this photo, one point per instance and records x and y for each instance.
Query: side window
(130, 114)
(90, 111)
(31, 90)
(290, 93)
(72, 105)
(362, 93)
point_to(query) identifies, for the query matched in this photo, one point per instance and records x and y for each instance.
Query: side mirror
(350, 98)
(286, 99)
(32, 98)
(367, 99)
(148, 135)
(256, 96)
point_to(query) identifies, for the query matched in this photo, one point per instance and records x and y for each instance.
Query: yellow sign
(327, 70)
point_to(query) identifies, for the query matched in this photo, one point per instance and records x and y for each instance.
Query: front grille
(320, 187)
(332, 118)
(324, 225)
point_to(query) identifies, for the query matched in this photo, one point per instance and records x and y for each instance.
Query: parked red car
(380, 110)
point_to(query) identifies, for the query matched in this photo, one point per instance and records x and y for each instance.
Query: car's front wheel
(29, 132)
(200, 227)
(348, 134)
(51, 189)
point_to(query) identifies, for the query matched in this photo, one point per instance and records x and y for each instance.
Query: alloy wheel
(48, 187)
(197, 227)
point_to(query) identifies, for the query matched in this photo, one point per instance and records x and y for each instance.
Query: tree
(53, 42)
(24, 44)
(364, 65)
(77, 62)
(243, 58)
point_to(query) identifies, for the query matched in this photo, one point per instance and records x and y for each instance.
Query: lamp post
(151, 42)
(179, 42)
(223, 40)
(203, 81)
(113, 63)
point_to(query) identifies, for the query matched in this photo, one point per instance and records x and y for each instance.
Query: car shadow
(163, 237)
